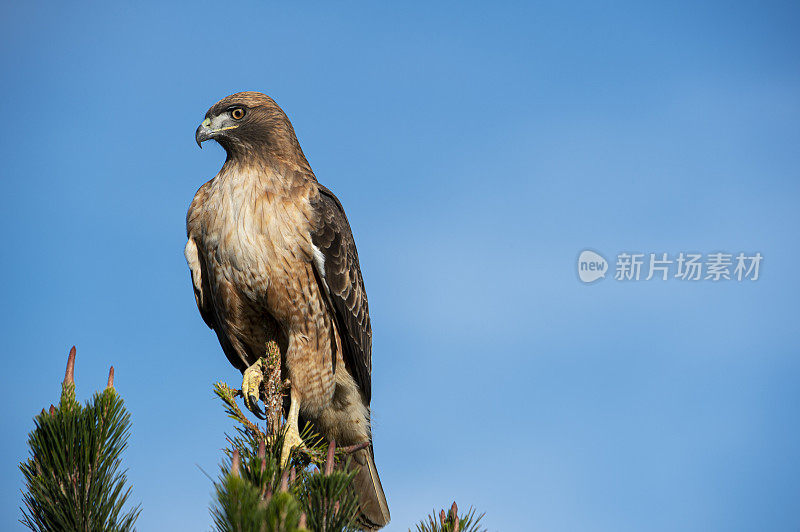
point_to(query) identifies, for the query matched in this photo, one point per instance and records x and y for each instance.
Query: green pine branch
(451, 521)
(73, 479)
(314, 491)
(254, 493)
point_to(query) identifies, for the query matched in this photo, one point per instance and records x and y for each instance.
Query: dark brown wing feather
(345, 286)
(203, 296)
(208, 312)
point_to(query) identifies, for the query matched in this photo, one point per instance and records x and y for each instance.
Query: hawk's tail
(374, 512)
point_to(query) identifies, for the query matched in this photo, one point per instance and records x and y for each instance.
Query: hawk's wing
(205, 303)
(337, 262)
(202, 292)
(197, 266)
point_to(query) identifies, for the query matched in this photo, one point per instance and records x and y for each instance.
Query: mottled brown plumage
(272, 257)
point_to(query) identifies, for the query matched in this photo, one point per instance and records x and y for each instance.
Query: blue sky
(477, 149)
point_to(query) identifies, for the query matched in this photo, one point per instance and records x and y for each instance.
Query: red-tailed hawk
(272, 257)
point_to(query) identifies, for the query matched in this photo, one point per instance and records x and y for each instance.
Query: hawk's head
(249, 123)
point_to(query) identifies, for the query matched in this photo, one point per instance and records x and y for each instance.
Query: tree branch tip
(110, 378)
(285, 481)
(235, 463)
(69, 374)
(354, 448)
(329, 458)
(262, 449)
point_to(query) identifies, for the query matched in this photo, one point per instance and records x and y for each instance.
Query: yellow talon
(292, 437)
(251, 387)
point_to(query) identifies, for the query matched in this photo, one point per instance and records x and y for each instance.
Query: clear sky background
(477, 149)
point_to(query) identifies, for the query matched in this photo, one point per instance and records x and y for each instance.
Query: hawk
(272, 257)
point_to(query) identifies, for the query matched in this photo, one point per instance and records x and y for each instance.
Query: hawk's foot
(291, 438)
(251, 387)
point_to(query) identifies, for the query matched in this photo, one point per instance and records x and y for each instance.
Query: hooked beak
(203, 132)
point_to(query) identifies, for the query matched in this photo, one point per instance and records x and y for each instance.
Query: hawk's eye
(237, 113)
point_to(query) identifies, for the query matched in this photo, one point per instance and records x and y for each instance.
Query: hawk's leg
(251, 387)
(292, 437)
